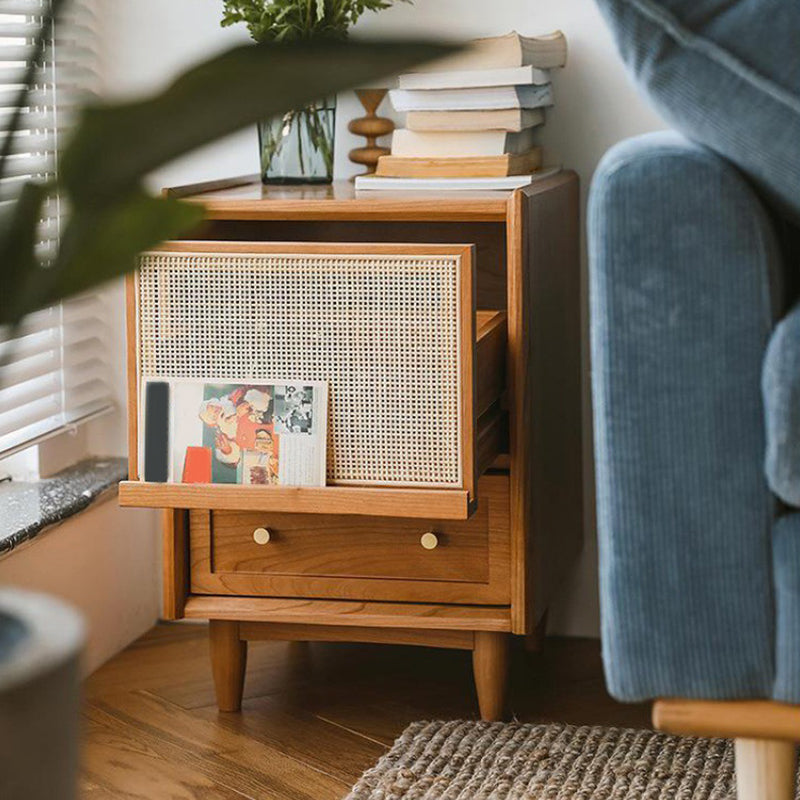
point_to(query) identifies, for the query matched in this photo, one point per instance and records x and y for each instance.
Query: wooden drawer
(415, 373)
(356, 557)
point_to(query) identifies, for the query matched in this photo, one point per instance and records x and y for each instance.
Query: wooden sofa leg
(228, 662)
(765, 769)
(490, 666)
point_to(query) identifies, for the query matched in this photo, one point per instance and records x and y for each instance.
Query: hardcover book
(511, 50)
(474, 78)
(453, 144)
(465, 167)
(471, 99)
(378, 183)
(502, 119)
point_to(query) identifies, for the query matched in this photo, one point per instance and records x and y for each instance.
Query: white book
(503, 119)
(474, 78)
(375, 183)
(452, 144)
(471, 99)
(511, 50)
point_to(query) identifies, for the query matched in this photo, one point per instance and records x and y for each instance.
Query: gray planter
(41, 640)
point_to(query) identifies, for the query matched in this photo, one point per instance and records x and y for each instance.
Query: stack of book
(471, 123)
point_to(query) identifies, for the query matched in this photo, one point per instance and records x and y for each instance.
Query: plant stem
(320, 135)
(302, 119)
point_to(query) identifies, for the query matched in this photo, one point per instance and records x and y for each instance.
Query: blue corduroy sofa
(695, 344)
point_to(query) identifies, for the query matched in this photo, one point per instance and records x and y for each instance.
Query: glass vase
(297, 147)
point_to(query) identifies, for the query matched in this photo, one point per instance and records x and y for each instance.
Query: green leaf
(18, 263)
(103, 244)
(114, 146)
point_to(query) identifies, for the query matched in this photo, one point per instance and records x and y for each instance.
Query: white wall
(148, 41)
(103, 562)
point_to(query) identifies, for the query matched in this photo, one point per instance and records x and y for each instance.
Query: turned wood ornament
(371, 126)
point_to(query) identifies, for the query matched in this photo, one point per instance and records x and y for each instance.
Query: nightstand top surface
(247, 198)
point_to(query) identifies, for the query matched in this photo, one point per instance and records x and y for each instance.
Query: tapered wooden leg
(228, 661)
(490, 666)
(765, 769)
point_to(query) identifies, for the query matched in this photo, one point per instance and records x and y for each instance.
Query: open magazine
(265, 433)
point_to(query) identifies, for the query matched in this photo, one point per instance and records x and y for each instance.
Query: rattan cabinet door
(390, 328)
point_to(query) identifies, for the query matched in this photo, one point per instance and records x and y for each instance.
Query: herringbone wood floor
(315, 715)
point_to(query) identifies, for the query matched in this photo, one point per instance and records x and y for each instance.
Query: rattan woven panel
(382, 330)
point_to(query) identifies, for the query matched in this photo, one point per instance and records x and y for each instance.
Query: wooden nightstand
(460, 568)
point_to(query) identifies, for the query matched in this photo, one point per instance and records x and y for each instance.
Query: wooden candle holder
(371, 126)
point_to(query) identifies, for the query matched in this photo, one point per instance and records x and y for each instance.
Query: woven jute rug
(499, 761)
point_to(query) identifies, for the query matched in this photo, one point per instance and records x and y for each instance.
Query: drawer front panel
(353, 547)
(354, 557)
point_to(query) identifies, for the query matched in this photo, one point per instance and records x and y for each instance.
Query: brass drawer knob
(261, 535)
(429, 540)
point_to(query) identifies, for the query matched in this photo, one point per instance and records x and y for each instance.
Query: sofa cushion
(780, 386)
(786, 568)
(727, 74)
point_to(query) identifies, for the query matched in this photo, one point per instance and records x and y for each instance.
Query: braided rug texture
(499, 761)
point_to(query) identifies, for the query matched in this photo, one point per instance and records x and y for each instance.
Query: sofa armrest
(682, 259)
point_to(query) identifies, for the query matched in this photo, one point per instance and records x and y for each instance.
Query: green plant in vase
(298, 146)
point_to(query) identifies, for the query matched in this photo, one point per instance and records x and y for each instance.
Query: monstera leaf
(114, 146)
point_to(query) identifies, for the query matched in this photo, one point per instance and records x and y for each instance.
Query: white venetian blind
(55, 366)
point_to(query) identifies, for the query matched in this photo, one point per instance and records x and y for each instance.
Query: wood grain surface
(339, 200)
(749, 719)
(411, 616)
(314, 716)
(351, 557)
(545, 393)
(371, 501)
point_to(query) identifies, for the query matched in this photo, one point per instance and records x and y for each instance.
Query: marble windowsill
(28, 508)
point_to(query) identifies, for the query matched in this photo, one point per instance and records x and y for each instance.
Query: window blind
(55, 365)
